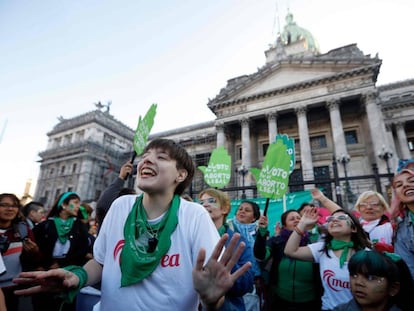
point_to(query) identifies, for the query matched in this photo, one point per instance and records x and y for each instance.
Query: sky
(58, 58)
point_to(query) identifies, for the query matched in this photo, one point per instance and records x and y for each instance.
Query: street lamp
(344, 159)
(243, 171)
(386, 154)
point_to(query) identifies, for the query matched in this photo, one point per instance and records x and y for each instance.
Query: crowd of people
(160, 249)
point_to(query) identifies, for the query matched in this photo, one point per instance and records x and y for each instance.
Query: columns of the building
(402, 141)
(272, 125)
(246, 146)
(337, 128)
(393, 162)
(376, 126)
(305, 150)
(221, 136)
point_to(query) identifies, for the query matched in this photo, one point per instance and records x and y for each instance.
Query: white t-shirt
(382, 233)
(170, 286)
(335, 280)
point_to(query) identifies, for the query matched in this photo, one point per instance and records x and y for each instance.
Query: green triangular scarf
(136, 262)
(63, 227)
(336, 245)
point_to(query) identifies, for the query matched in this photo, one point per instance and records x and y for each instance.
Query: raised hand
(310, 216)
(214, 279)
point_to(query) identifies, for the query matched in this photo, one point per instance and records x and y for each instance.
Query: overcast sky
(58, 58)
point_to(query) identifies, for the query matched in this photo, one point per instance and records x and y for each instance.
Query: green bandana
(63, 227)
(222, 230)
(411, 216)
(136, 262)
(336, 245)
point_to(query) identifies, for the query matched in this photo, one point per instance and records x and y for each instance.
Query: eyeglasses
(368, 278)
(208, 201)
(339, 217)
(6, 205)
(370, 204)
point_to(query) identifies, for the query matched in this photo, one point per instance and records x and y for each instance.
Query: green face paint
(71, 206)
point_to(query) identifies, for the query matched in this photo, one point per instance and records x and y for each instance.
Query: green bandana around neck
(136, 262)
(223, 229)
(411, 216)
(63, 227)
(337, 244)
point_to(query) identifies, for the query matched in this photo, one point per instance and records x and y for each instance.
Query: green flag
(217, 173)
(273, 179)
(290, 148)
(143, 129)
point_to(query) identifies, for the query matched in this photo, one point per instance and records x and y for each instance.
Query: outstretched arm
(326, 202)
(214, 279)
(56, 280)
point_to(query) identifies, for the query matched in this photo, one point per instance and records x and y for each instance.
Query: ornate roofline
(102, 118)
(218, 102)
(395, 85)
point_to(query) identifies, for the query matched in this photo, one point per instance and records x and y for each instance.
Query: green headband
(64, 197)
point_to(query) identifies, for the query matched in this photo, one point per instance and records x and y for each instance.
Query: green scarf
(222, 230)
(336, 245)
(136, 262)
(63, 227)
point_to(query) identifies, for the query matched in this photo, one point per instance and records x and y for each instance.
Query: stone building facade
(84, 154)
(329, 103)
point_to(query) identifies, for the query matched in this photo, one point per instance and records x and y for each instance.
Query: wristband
(69, 295)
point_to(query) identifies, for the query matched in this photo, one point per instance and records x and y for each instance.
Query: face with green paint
(372, 291)
(72, 207)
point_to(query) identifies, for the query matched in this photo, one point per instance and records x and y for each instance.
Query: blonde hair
(220, 196)
(365, 195)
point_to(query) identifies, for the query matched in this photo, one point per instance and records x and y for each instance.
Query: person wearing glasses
(17, 247)
(155, 251)
(372, 209)
(344, 237)
(217, 204)
(380, 282)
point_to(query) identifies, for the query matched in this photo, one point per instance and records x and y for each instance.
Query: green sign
(290, 148)
(272, 180)
(143, 129)
(291, 200)
(217, 173)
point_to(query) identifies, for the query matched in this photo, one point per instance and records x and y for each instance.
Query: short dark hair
(180, 155)
(31, 206)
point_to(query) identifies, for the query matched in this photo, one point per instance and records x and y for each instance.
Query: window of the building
(108, 139)
(57, 141)
(239, 154)
(318, 142)
(351, 137)
(70, 189)
(74, 166)
(68, 139)
(79, 135)
(411, 143)
(202, 159)
(57, 193)
(62, 170)
(265, 146)
(52, 170)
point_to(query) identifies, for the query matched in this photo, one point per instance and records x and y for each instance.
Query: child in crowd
(379, 281)
(151, 251)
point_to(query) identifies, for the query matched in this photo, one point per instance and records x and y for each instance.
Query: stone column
(336, 126)
(305, 150)
(402, 141)
(221, 136)
(376, 125)
(272, 125)
(245, 137)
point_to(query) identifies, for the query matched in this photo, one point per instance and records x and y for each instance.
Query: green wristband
(69, 295)
(263, 231)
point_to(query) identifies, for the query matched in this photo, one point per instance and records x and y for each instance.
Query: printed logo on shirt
(333, 283)
(166, 260)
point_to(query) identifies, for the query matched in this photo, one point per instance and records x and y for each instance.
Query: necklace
(153, 240)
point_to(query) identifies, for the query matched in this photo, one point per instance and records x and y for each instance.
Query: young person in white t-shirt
(151, 251)
(345, 236)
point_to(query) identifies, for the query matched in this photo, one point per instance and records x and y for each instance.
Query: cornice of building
(220, 102)
(396, 85)
(97, 116)
(184, 129)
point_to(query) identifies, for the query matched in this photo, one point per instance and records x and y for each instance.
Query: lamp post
(243, 171)
(344, 159)
(386, 154)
